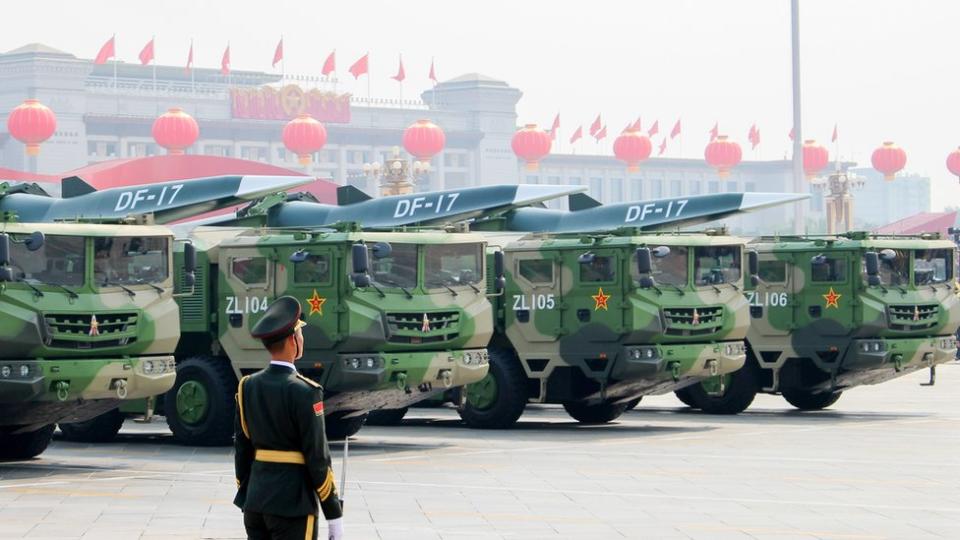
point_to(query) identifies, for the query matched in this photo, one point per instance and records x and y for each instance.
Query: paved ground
(882, 464)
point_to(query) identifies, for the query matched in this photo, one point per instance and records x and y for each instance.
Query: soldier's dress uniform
(282, 461)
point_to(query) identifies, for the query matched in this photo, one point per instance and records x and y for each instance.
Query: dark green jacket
(279, 409)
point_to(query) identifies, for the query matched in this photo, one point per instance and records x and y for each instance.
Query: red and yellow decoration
(815, 158)
(303, 136)
(31, 123)
(632, 147)
(953, 162)
(832, 298)
(600, 300)
(531, 144)
(423, 139)
(889, 159)
(175, 130)
(316, 303)
(723, 155)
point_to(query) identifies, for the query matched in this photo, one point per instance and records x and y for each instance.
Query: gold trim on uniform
(309, 381)
(280, 456)
(243, 418)
(309, 533)
(327, 487)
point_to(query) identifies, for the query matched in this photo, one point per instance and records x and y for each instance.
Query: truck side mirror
(361, 280)
(753, 266)
(189, 264)
(872, 261)
(501, 282)
(4, 249)
(361, 265)
(34, 241)
(644, 263)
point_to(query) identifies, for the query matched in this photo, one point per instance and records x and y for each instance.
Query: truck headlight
(5, 372)
(24, 370)
(148, 367)
(371, 363)
(876, 346)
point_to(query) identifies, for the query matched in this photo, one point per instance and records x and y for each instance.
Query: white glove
(335, 529)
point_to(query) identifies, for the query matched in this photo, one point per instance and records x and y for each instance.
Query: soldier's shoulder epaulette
(309, 381)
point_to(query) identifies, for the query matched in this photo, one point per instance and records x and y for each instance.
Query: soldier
(282, 459)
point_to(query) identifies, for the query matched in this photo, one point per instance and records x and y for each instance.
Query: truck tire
(99, 429)
(339, 428)
(24, 445)
(740, 390)
(684, 395)
(497, 400)
(809, 401)
(200, 407)
(386, 417)
(598, 413)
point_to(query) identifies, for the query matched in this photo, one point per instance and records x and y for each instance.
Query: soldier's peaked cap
(280, 320)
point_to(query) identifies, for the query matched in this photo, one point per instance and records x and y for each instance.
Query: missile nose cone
(534, 193)
(755, 201)
(255, 186)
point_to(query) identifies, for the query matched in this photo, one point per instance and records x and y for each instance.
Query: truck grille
(408, 327)
(698, 321)
(913, 316)
(73, 330)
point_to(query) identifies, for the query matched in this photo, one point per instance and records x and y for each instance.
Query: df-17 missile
(166, 201)
(588, 215)
(415, 209)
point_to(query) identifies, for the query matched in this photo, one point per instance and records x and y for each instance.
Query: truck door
(596, 295)
(771, 300)
(532, 303)
(823, 282)
(313, 277)
(246, 289)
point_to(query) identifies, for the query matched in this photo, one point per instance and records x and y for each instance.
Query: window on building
(713, 187)
(656, 189)
(596, 188)
(694, 187)
(731, 187)
(750, 186)
(675, 189)
(575, 181)
(554, 180)
(636, 189)
(616, 189)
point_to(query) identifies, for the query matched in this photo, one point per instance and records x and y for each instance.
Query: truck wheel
(599, 413)
(684, 395)
(808, 401)
(99, 429)
(201, 405)
(632, 404)
(386, 417)
(24, 445)
(339, 428)
(740, 389)
(497, 400)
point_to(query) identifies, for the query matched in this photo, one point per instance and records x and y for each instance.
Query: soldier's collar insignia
(600, 300)
(316, 303)
(832, 298)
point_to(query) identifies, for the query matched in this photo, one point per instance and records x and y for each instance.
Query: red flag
(753, 136)
(663, 147)
(189, 59)
(595, 126)
(330, 64)
(833, 138)
(360, 67)
(654, 129)
(225, 62)
(401, 74)
(146, 54)
(602, 133)
(715, 131)
(107, 51)
(577, 135)
(676, 129)
(636, 125)
(433, 74)
(791, 134)
(553, 134)
(278, 53)
(556, 122)
(757, 137)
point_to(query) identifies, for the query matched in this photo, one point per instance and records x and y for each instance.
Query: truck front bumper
(659, 369)
(872, 361)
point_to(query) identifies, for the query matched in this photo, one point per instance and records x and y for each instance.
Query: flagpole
(153, 59)
(193, 81)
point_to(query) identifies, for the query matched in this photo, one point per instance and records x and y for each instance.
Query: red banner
(268, 103)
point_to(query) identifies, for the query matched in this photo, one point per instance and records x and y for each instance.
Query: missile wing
(167, 201)
(587, 216)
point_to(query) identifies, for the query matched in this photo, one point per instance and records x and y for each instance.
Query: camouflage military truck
(596, 321)
(834, 312)
(392, 319)
(89, 320)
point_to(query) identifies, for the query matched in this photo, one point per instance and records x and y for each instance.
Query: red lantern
(632, 147)
(303, 136)
(423, 139)
(531, 144)
(953, 162)
(31, 123)
(722, 155)
(888, 159)
(815, 158)
(175, 130)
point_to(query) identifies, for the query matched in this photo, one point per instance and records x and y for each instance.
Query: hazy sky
(881, 69)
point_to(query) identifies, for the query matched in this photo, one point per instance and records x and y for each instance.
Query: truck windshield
(671, 269)
(932, 266)
(452, 265)
(60, 261)
(130, 260)
(398, 269)
(713, 265)
(894, 267)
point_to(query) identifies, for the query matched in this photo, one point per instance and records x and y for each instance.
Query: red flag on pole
(636, 125)
(107, 51)
(553, 134)
(654, 129)
(225, 61)
(146, 54)
(577, 135)
(595, 126)
(833, 138)
(715, 131)
(330, 64)
(189, 65)
(791, 134)
(601, 134)
(360, 67)
(556, 122)
(433, 74)
(753, 136)
(401, 74)
(278, 53)
(676, 129)
(663, 147)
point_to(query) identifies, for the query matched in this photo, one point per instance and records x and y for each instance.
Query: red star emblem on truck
(94, 326)
(316, 303)
(916, 313)
(600, 300)
(696, 317)
(832, 298)
(425, 325)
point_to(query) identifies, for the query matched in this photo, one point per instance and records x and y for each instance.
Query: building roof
(38, 48)
(924, 222)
